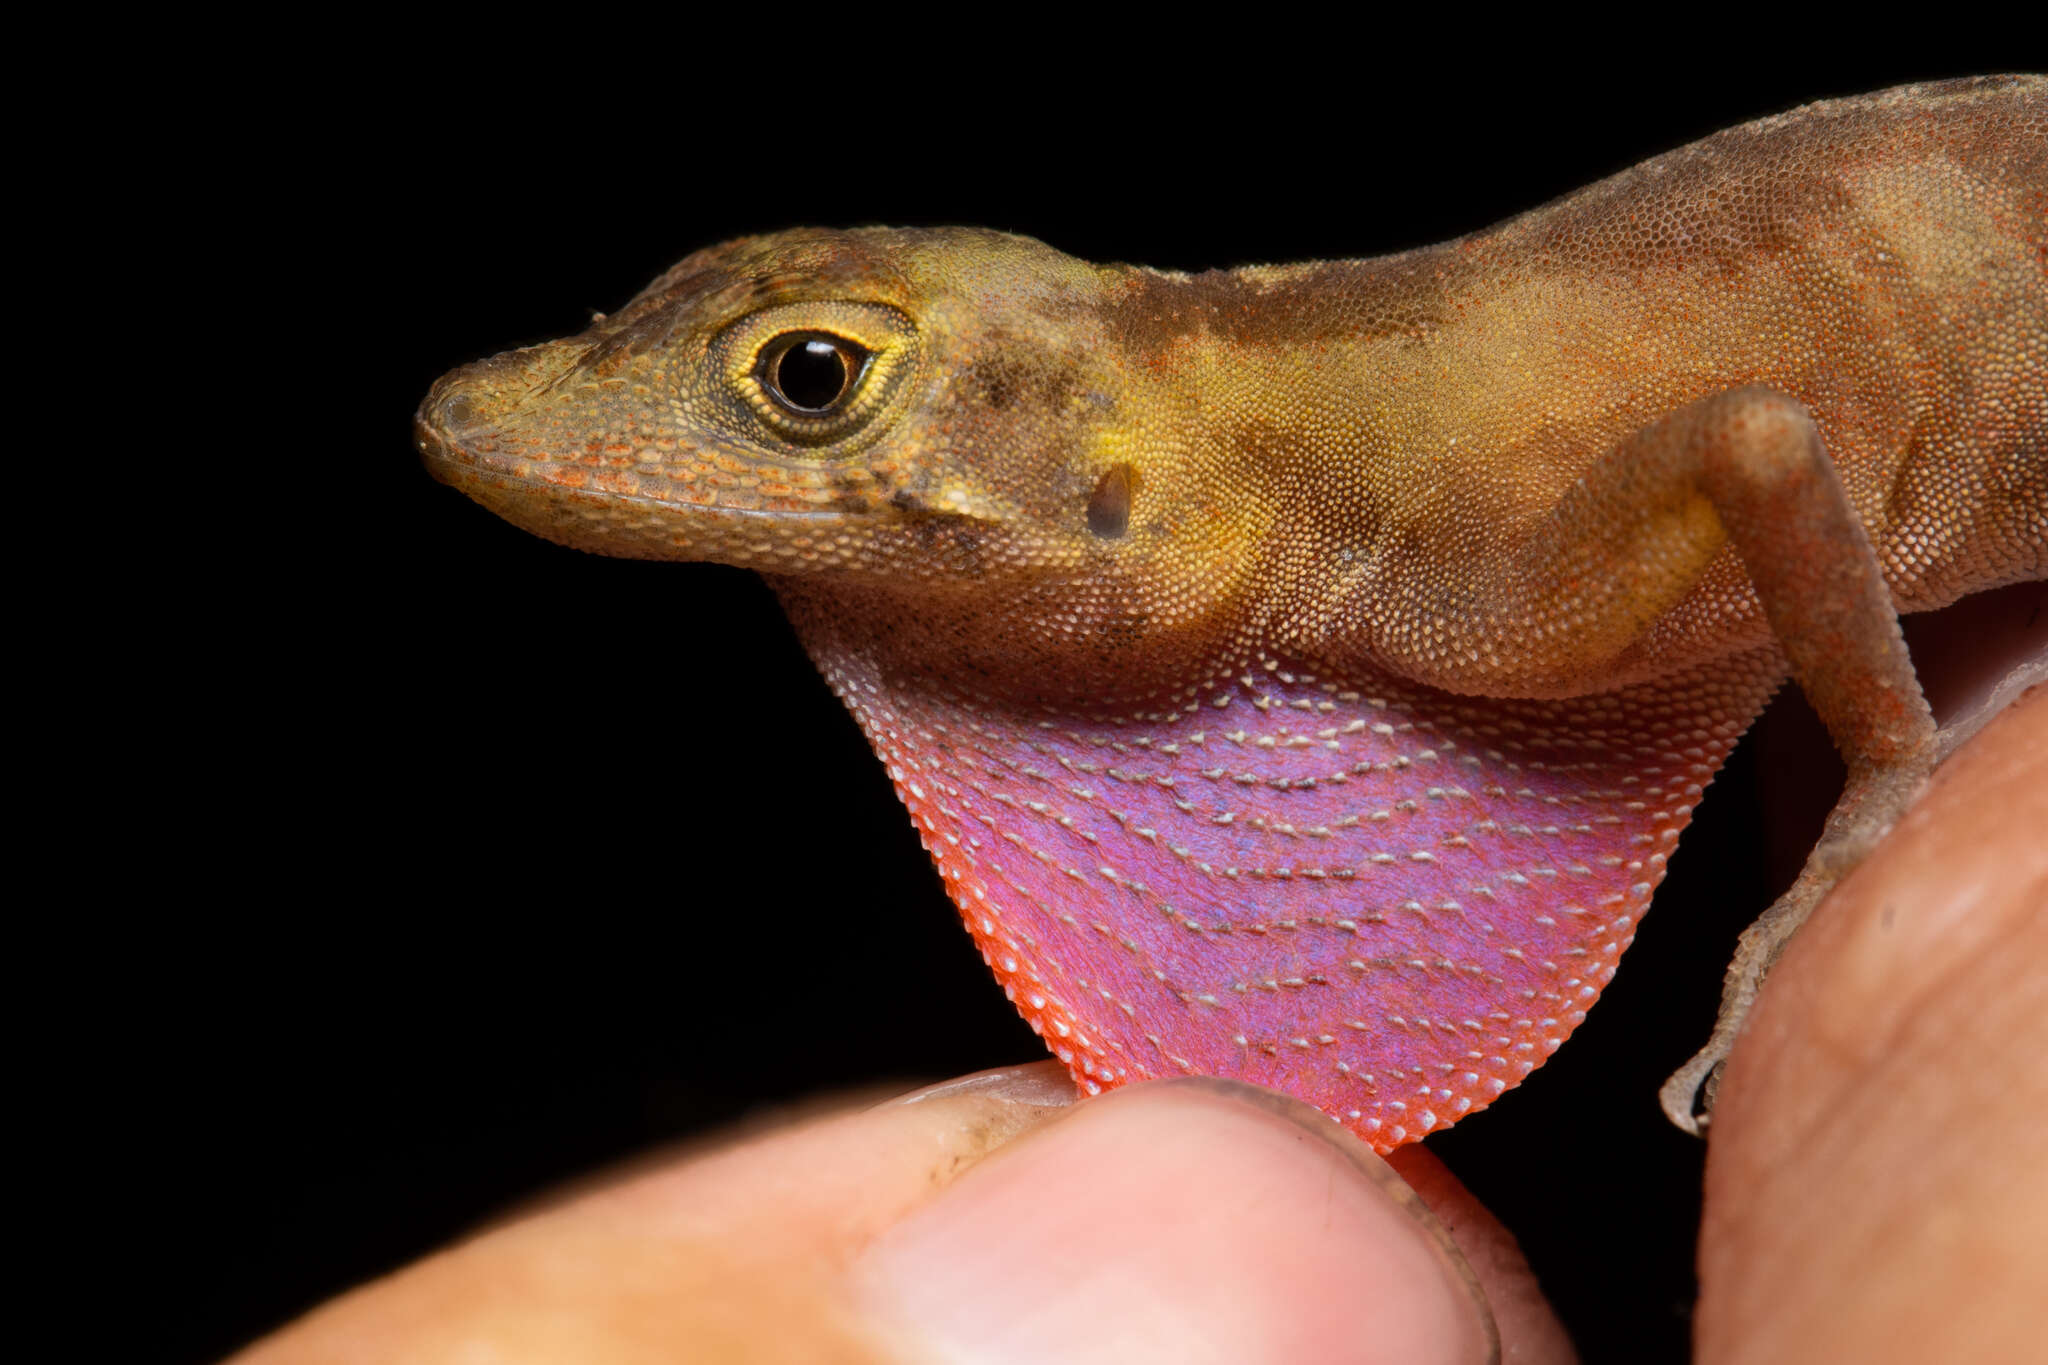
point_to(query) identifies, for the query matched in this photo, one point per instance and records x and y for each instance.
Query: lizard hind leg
(1761, 462)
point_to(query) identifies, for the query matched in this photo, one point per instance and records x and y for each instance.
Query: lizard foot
(1688, 1097)
(1870, 805)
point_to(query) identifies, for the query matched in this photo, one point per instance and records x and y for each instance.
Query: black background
(506, 862)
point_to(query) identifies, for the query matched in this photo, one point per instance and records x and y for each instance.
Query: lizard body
(1303, 673)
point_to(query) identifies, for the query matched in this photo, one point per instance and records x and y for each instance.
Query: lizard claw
(1688, 1097)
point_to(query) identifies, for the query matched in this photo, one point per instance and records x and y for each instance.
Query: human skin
(1175, 1221)
(996, 1219)
(1840, 1222)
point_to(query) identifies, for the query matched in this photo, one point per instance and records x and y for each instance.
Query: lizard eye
(812, 379)
(811, 373)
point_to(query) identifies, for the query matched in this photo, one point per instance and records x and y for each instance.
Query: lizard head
(952, 415)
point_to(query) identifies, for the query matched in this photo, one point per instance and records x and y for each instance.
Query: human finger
(1877, 1179)
(1180, 1220)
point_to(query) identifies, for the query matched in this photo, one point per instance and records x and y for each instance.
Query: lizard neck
(1341, 399)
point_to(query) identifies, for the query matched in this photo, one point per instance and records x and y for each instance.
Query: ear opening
(1109, 506)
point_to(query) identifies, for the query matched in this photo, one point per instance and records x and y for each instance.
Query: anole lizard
(1304, 673)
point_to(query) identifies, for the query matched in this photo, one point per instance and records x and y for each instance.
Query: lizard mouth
(648, 510)
(460, 468)
(609, 510)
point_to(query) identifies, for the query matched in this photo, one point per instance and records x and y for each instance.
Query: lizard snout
(463, 418)
(437, 428)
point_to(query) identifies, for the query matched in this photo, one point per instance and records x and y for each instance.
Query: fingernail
(1181, 1220)
(1037, 1085)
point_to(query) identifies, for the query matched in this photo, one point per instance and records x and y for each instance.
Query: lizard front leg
(1823, 590)
(1570, 608)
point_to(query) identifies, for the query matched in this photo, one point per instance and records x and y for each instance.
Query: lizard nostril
(457, 412)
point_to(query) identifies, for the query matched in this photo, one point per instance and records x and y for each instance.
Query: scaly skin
(1303, 673)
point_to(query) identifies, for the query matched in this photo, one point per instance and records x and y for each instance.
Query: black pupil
(812, 375)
